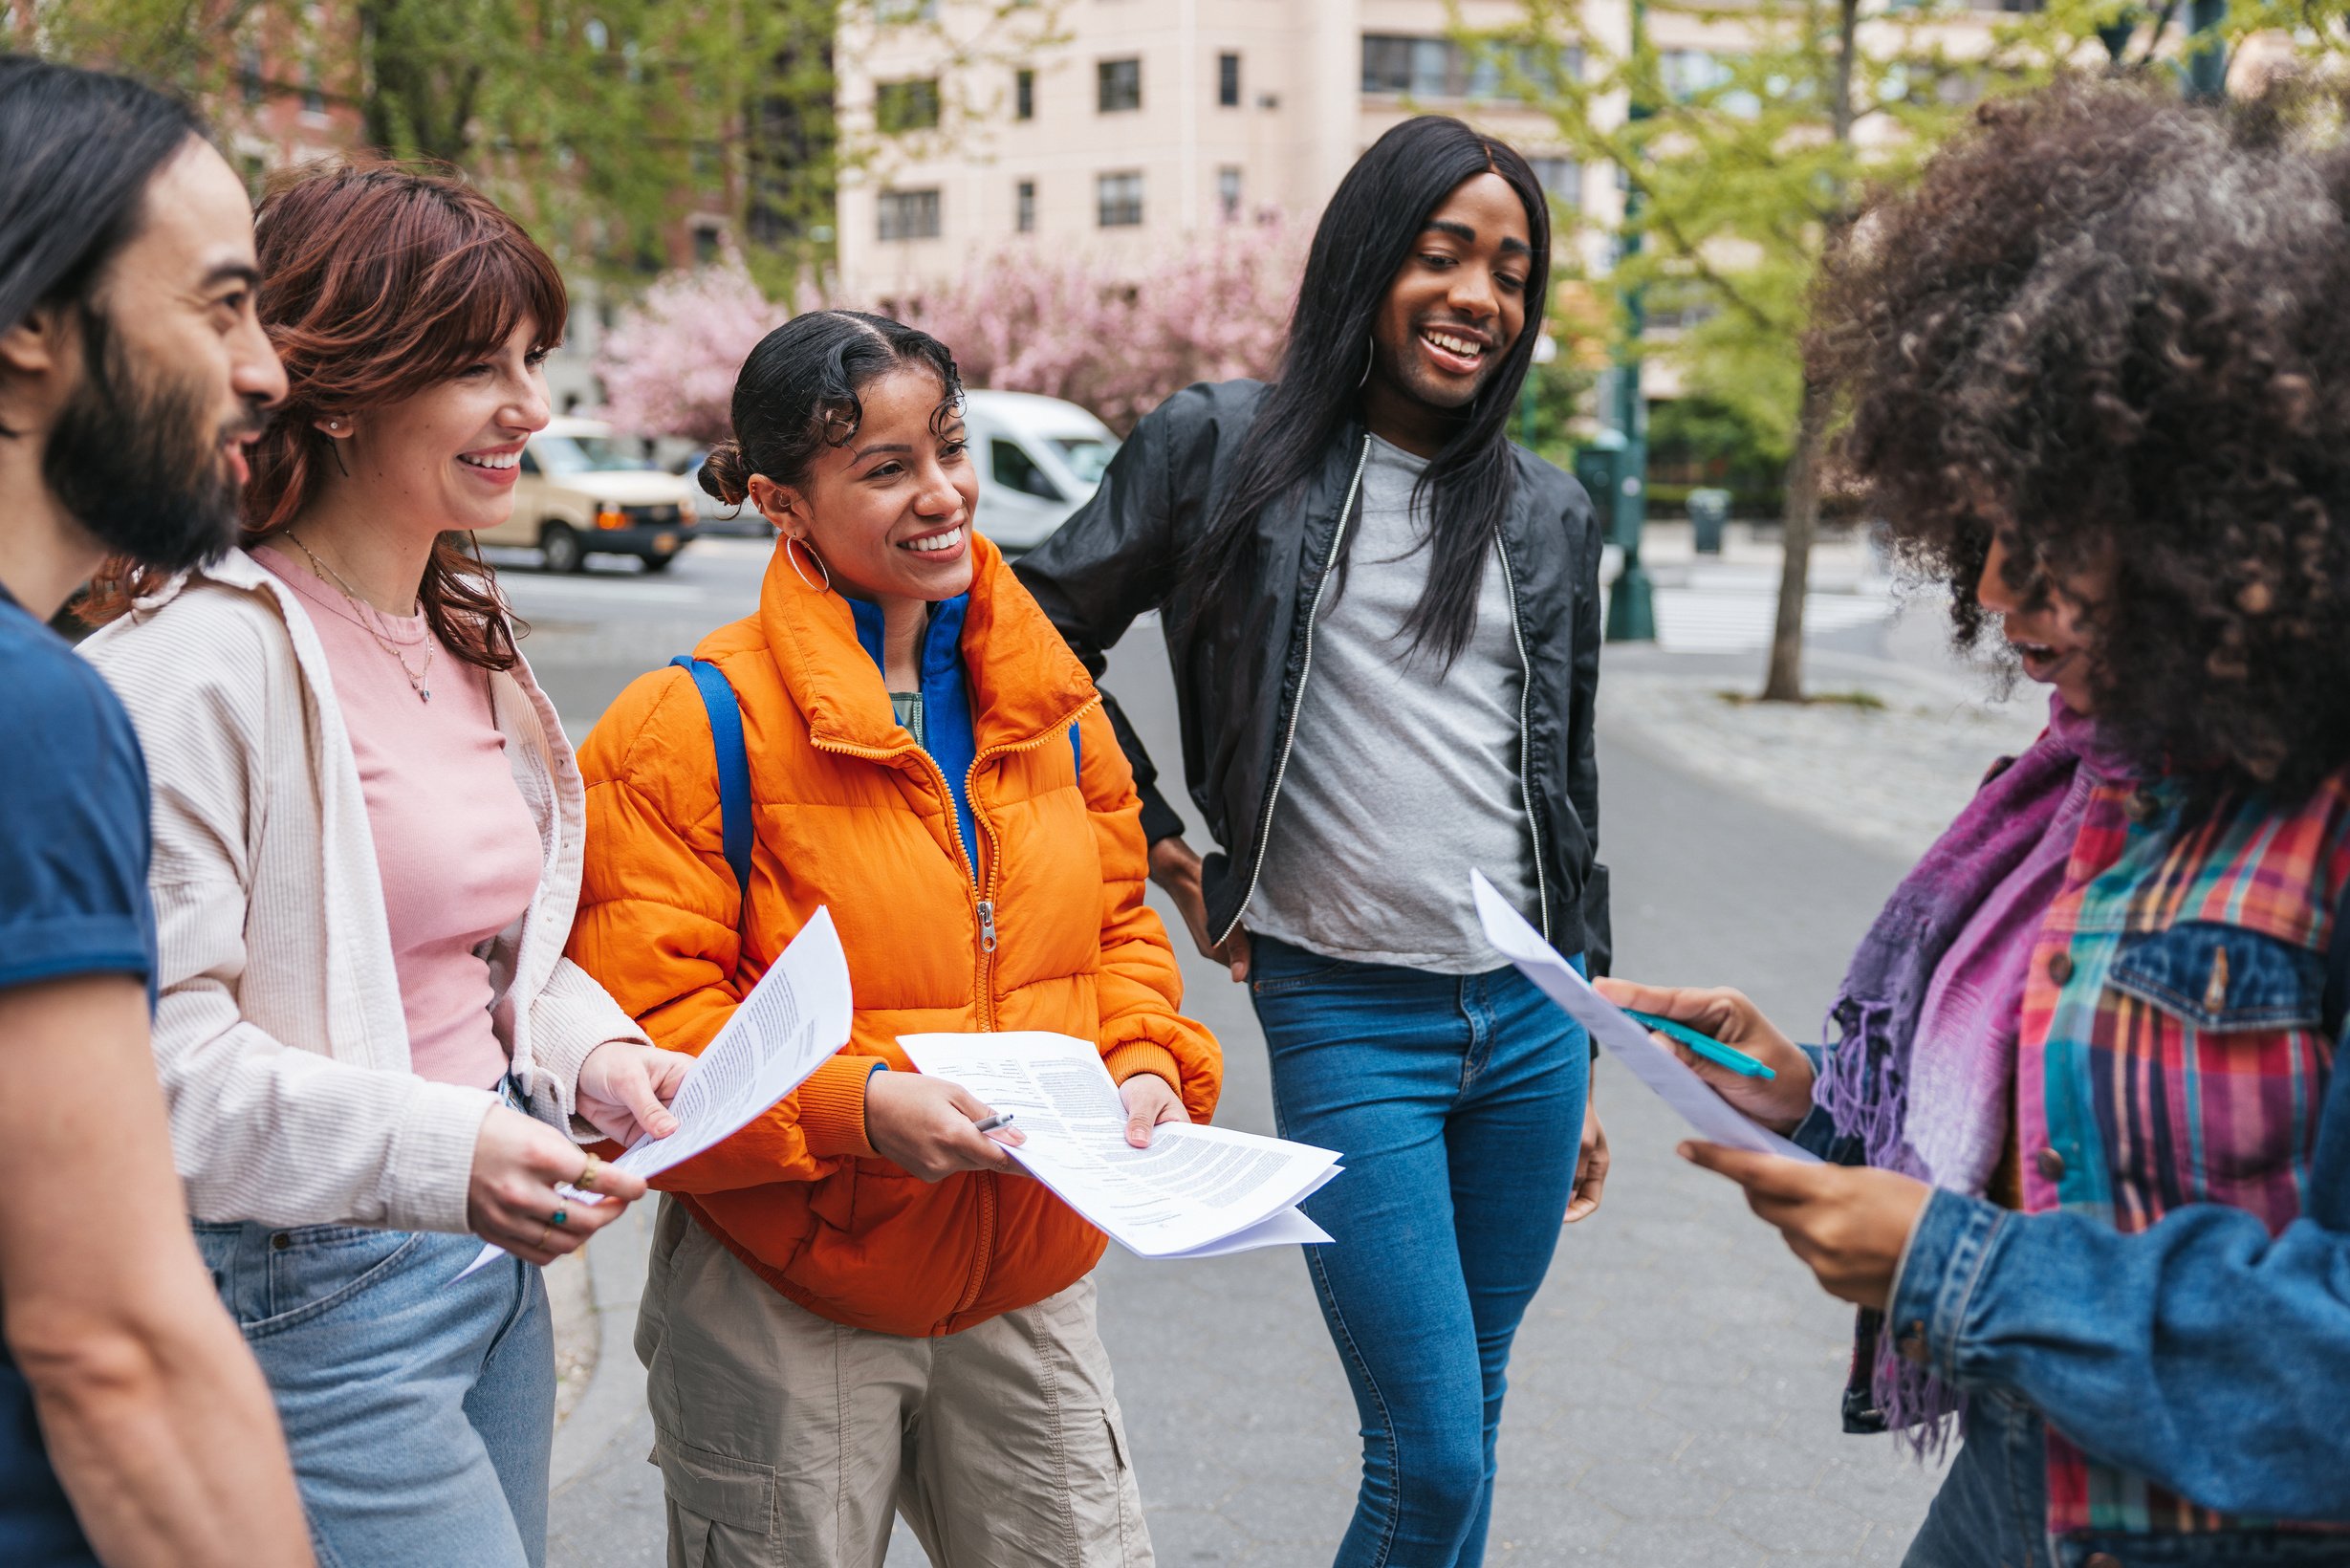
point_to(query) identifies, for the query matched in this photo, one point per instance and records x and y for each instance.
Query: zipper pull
(987, 925)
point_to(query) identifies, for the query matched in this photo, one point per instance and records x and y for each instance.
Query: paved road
(1673, 1393)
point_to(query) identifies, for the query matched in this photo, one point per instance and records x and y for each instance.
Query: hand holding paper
(1663, 1073)
(1194, 1192)
(798, 1015)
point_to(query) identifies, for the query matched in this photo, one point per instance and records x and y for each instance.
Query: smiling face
(2050, 626)
(890, 513)
(446, 458)
(1457, 303)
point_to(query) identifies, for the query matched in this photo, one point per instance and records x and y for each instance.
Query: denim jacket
(2174, 1294)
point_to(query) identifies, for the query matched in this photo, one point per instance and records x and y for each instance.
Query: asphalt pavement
(1673, 1393)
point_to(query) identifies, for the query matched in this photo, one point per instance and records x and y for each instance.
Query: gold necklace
(365, 617)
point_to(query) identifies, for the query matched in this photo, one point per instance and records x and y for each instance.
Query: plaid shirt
(2171, 1059)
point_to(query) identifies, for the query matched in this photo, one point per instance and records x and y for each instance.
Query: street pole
(2207, 52)
(1631, 600)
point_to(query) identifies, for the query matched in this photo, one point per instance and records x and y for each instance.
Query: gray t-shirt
(1404, 774)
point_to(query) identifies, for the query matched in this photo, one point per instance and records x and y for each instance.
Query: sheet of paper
(796, 1015)
(1195, 1188)
(1289, 1228)
(1713, 1117)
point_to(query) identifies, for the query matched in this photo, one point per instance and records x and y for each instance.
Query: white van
(1039, 460)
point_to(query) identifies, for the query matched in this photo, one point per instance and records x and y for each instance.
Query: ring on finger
(587, 1178)
(558, 1216)
(544, 1232)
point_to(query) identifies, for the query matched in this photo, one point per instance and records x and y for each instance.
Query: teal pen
(1706, 1046)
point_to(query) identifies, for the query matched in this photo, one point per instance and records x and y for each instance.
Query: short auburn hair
(380, 280)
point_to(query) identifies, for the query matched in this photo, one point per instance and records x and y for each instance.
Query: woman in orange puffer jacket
(856, 1304)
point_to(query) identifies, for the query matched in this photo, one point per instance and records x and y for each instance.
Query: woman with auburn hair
(368, 839)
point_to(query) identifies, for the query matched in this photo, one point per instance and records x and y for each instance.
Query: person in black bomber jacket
(1384, 625)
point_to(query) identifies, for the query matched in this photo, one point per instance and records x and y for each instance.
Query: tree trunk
(1785, 682)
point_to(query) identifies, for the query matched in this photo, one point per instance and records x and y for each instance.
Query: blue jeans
(1458, 1105)
(421, 1413)
(1992, 1512)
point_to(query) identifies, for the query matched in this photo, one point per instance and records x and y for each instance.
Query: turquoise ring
(558, 1216)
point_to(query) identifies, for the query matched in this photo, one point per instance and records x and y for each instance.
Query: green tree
(1747, 163)
(601, 121)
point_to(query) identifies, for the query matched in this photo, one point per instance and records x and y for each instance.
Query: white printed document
(1195, 1192)
(796, 1015)
(1627, 1039)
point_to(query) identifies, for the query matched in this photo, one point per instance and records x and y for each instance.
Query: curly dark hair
(2114, 329)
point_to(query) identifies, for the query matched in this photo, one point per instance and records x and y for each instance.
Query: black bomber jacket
(1241, 665)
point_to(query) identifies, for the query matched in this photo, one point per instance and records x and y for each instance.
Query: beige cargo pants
(787, 1441)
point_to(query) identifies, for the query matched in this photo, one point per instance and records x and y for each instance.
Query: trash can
(1708, 510)
(1599, 464)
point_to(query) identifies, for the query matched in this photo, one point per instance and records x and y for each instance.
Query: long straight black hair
(1369, 228)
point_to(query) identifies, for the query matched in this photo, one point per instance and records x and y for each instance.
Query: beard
(135, 459)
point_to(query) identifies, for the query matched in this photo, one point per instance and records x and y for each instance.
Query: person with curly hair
(2088, 1164)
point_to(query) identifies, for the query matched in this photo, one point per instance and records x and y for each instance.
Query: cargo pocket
(1133, 1535)
(718, 1502)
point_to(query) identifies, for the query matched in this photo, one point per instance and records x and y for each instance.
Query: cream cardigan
(278, 1032)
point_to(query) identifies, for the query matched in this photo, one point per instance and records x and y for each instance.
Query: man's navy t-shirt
(72, 901)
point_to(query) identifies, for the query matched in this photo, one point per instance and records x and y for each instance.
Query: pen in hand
(998, 1120)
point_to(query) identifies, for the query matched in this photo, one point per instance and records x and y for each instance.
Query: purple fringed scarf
(1941, 972)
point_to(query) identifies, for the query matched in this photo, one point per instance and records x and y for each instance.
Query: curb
(608, 1412)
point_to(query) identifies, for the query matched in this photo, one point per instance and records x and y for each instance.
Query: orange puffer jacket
(851, 813)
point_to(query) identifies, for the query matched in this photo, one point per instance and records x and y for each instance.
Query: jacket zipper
(1297, 703)
(983, 1255)
(1525, 733)
(982, 889)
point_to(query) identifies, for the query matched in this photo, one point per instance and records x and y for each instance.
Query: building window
(708, 243)
(1416, 67)
(1228, 81)
(1228, 193)
(313, 97)
(1438, 68)
(1119, 84)
(909, 215)
(1562, 178)
(1024, 94)
(900, 106)
(1117, 199)
(250, 79)
(1024, 206)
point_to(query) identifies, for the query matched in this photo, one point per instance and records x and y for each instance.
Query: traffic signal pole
(1631, 599)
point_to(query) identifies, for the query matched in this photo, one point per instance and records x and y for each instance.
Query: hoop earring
(1370, 358)
(790, 539)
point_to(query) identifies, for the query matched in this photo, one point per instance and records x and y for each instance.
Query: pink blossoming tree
(1021, 320)
(669, 362)
(1029, 321)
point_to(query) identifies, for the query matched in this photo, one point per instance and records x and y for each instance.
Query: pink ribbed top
(456, 846)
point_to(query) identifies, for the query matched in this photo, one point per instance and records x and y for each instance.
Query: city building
(1150, 119)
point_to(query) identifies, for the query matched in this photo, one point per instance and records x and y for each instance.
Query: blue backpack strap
(725, 715)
